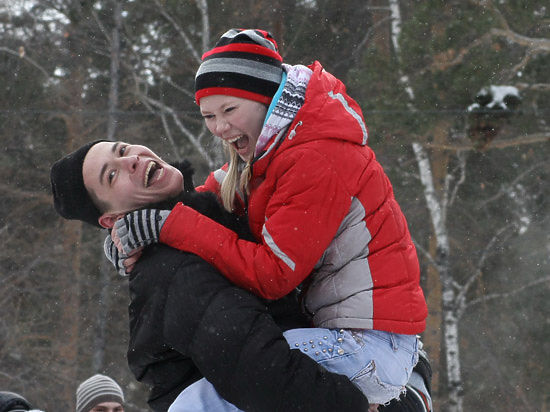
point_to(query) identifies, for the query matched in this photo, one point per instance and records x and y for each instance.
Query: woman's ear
(107, 220)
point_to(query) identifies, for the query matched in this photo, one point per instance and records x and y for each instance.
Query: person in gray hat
(99, 393)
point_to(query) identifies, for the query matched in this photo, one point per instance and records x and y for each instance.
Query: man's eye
(111, 176)
(122, 150)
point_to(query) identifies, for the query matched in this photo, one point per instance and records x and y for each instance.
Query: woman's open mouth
(240, 143)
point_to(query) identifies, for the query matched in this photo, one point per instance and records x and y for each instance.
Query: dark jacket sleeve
(236, 345)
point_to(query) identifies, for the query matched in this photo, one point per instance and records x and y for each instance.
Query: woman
(319, 204)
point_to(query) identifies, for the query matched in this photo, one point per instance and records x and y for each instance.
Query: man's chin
(168, 203)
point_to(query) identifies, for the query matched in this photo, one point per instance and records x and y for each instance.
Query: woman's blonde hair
(237, 178)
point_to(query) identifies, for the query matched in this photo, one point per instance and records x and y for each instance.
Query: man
(99, 393)
(186, 320)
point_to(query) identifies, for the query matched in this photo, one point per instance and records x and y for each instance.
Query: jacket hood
(327, 113)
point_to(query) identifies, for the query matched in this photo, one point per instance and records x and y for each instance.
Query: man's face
(127, 177)
(108, 407)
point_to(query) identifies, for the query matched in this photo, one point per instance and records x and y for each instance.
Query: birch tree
(441, 188)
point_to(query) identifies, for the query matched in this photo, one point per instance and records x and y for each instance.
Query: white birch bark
(395, 13)
(438, 212)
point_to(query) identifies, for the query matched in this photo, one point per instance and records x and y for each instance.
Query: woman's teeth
(234, 139)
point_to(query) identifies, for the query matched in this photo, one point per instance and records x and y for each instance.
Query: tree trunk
(437, 206)
(69, 322)
(98, 357)
(70, 282)
(433, 337)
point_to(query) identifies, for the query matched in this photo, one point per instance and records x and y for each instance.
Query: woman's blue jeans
(379, 363)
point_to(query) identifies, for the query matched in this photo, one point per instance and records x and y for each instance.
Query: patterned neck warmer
(290, 101)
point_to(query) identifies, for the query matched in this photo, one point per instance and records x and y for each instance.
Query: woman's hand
(123, 263)
(137, 229)
(131, 261)
(114, 256)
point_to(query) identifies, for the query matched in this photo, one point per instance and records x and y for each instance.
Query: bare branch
(203, 8)
(190, 136)
(541, 87)
(368, 34)
(501, 19)
(180, 31)
(494, 296)
(533, 45)
(169, 136)
(178, 87)
(504, 190)
(496, 144)
(426, 254)
(101, 26)
(462, 166)
(522, 64)
(461, 296)
(22, 55)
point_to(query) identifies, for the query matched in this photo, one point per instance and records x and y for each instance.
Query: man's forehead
(96, 158)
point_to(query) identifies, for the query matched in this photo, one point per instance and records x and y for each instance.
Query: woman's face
(235, 120)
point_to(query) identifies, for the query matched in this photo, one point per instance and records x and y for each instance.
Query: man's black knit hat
(70, 197)
(10, 401)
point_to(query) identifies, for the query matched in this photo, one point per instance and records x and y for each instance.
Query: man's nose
(129, 163)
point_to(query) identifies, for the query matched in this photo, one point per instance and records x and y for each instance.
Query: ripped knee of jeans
(373, 387)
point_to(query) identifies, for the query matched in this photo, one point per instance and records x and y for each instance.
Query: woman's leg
(379, 363)
(201, 397)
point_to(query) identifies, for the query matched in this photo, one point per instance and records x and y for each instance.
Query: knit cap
(11, 402)
(96, 390)
(70, 197)
(244, 63)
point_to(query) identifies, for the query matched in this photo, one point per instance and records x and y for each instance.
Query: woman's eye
(230, 109)
(208, 116)
(111, 176)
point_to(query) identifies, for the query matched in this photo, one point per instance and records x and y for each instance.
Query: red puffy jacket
(319, 204)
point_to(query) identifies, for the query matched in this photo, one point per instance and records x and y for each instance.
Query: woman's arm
(302, 216)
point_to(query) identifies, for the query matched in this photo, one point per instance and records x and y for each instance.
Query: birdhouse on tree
(493, 108)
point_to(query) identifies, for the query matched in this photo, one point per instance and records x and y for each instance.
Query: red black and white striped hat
(244, 63)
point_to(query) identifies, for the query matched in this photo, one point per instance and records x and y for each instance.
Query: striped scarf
(291, 100)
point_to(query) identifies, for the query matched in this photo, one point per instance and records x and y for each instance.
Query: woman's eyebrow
(102, 171)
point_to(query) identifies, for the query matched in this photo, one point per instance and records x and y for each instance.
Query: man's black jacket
(188, 321)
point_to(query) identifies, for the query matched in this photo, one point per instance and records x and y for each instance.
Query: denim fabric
(201, 397)
(379, 363)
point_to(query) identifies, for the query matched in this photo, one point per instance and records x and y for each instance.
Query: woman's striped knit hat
(244, 63)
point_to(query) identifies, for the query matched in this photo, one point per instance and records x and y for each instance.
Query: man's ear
(107, 220)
